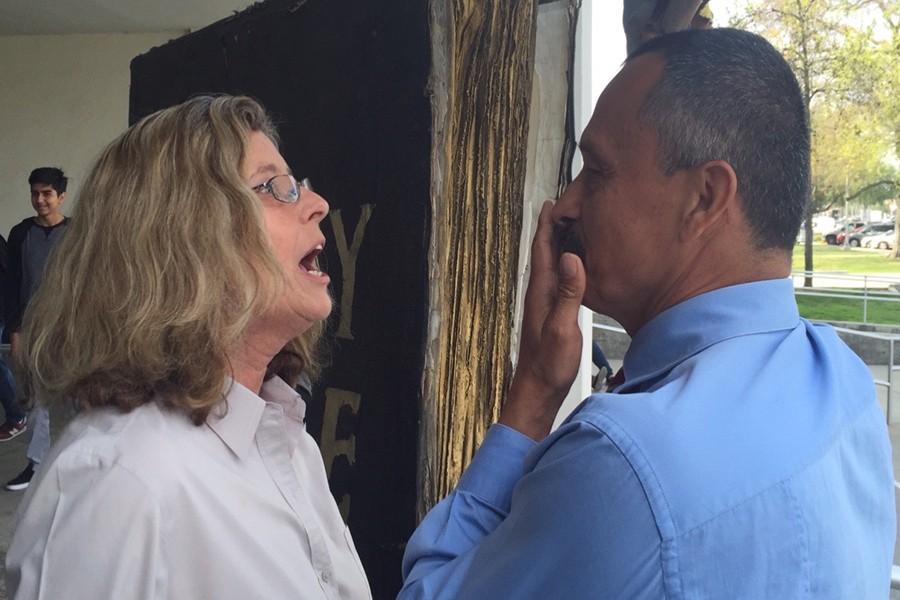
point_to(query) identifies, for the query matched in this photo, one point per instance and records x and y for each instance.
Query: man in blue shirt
(744, 455)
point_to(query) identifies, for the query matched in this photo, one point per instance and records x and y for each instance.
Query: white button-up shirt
(148, 505)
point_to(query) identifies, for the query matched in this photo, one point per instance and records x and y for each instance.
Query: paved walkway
(880, 372)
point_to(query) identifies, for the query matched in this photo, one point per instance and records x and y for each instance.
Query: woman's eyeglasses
(283, 188)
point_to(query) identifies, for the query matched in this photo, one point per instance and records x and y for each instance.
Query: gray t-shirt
(30, 245)
(38, 243)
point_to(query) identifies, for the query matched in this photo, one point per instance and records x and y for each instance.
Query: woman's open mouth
(309, 264)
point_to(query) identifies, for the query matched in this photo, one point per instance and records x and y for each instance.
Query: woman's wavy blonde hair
(164, 264)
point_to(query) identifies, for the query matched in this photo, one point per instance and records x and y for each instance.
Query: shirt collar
(276, 391)
(236, 419)
(691, 326)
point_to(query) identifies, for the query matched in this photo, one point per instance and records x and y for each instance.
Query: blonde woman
(189, 264)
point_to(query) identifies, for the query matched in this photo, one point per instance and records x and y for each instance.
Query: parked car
(855, 239)
(843, 234)
(831, 238)
(882, 241)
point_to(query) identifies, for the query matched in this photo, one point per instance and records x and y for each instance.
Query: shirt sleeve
(12, 281)
(577, 525)
(86, 530)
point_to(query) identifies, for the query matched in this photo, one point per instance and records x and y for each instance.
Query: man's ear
(714, 198)
(62, 196)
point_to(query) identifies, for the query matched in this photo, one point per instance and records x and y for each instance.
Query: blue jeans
(11, 406)
(39, 419)
(39, 423)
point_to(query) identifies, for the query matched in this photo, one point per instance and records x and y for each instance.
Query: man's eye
(594, 178)
(601, 171)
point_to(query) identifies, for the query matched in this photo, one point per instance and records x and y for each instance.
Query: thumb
(561, 336)
(570, 288)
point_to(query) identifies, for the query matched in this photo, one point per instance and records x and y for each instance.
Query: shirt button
(324, 576)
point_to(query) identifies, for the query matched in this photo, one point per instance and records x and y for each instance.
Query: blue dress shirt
(745, 456)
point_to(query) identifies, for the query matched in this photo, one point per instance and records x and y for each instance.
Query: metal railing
(872, 287)
(609, 328)
(891, 340)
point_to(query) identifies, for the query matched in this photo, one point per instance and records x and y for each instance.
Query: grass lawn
(846, 309)
(851, 260)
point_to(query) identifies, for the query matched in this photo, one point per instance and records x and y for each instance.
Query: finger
(569, 292)
(542, 244)
(542, 278)
(561, 338)
(541, 292)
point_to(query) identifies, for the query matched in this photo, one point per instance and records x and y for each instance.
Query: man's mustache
(568, 240)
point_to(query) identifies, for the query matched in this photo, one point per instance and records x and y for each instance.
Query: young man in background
(30, 244)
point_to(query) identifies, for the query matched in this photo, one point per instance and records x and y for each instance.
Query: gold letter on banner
(348, 263)
(332, 447)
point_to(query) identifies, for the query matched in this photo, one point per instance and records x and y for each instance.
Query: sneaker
(11, 429)
(21, 481)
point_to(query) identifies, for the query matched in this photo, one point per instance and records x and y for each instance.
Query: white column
(599, 53)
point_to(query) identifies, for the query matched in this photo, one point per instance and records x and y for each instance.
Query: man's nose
(566, 209)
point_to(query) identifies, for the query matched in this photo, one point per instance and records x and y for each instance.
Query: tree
(847, 71)
(887, 99)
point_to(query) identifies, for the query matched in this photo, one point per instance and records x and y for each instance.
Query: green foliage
(846, 55)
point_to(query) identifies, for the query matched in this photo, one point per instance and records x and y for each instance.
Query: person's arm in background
(644, 19)
(12, 287)
(4, 275)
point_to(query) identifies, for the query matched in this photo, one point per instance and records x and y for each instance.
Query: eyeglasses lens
(284, 188)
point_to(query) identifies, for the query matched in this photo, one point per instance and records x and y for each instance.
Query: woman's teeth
(310, 263)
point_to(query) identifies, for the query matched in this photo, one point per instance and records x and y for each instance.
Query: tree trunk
(482, 66)
(808, 247)
(896, 253)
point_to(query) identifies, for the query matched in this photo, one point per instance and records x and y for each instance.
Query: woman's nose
(314, 206)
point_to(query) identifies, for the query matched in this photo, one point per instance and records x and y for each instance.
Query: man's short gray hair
(728, 95)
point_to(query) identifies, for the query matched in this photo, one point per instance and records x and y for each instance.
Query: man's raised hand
(550, 351)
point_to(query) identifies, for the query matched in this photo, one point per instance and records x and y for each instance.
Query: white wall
(600, 52)
(62, 99)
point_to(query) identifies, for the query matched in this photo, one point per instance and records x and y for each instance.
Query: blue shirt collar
(691, 326)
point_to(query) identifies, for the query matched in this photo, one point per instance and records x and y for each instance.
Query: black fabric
(12, 304)
(4, 276)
